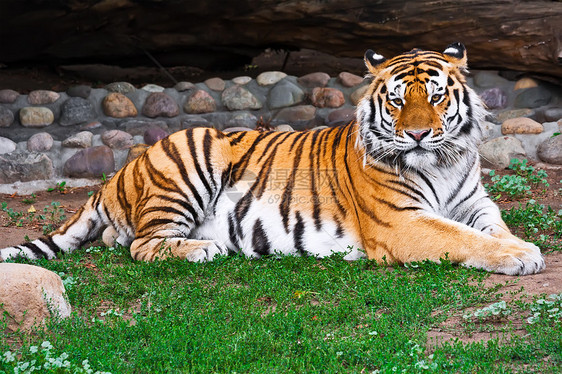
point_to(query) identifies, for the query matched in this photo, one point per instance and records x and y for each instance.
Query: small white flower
(9, 356)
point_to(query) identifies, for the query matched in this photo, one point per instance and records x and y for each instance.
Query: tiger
(399, 184)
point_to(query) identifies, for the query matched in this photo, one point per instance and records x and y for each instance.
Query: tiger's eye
(398, 102)
(435, 98)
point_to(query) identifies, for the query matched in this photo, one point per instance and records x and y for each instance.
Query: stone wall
(89, 132)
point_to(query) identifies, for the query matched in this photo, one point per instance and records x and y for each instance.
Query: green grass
(519, 184)
(287, 315)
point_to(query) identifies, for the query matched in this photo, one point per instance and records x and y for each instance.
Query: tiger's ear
(373, 61)
(456, 54)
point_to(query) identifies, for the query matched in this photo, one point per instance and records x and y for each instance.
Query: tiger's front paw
(206, 251)
(511, 258)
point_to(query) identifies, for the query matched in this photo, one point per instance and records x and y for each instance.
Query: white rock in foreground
(30, 294)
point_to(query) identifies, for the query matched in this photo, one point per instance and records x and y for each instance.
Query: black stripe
(238, 138)
(299, 135)
(465, 198)
(166, 209)
(373, 110)
(38, 252)
(122, 199)
(394, 206)
(172, 152)
(232, 232)
(469, 124)
(240, 167)
(260, 243)
(207, 145)
(260, 184)
(430, 185)
(48, 240)
(200, 173)
(286, 197)
(152, 172)
(183, 203)
(358, 196)
(298, 232)
(269, 143)
(473, 217)
(313, 191)
(155, 223)
(339, 228)
(241, 209)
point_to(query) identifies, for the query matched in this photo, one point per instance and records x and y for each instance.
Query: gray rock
(215, 84)
(312, 80)
(341, 116)
(91, 125)
(268, 78)
(553, 114)
(82, 91)
(8, 96)
(25, 167)
(91, 162)
(349, 80)
(498, 152)
(154, 134)
(490, 130)
(42, 97)
(296, 113)
(494, 98)
(117, 139)
(160, 104)
(284, 127)
(239, 98)
(7, 145)
(36, 116)
(531, 142)
(40, 142)
(489, 79)
(285, 94)
(200, 102)
(153, 88)
(184, 86)
(243, 119)
(120, 87)
(139, 127)
(358, 94)
(327, 97)
(191, 120)
(76, 110)
(81, 140)
(514, 113)
(236, 128)
(6, 117)
(241, 80)
(533, 97)
(551, 150)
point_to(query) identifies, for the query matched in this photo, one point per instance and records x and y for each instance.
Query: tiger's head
(418, 111)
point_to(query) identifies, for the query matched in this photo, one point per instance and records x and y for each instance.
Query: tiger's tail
(82, 227)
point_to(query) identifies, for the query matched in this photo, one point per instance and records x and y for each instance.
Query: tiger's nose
(417, 135)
